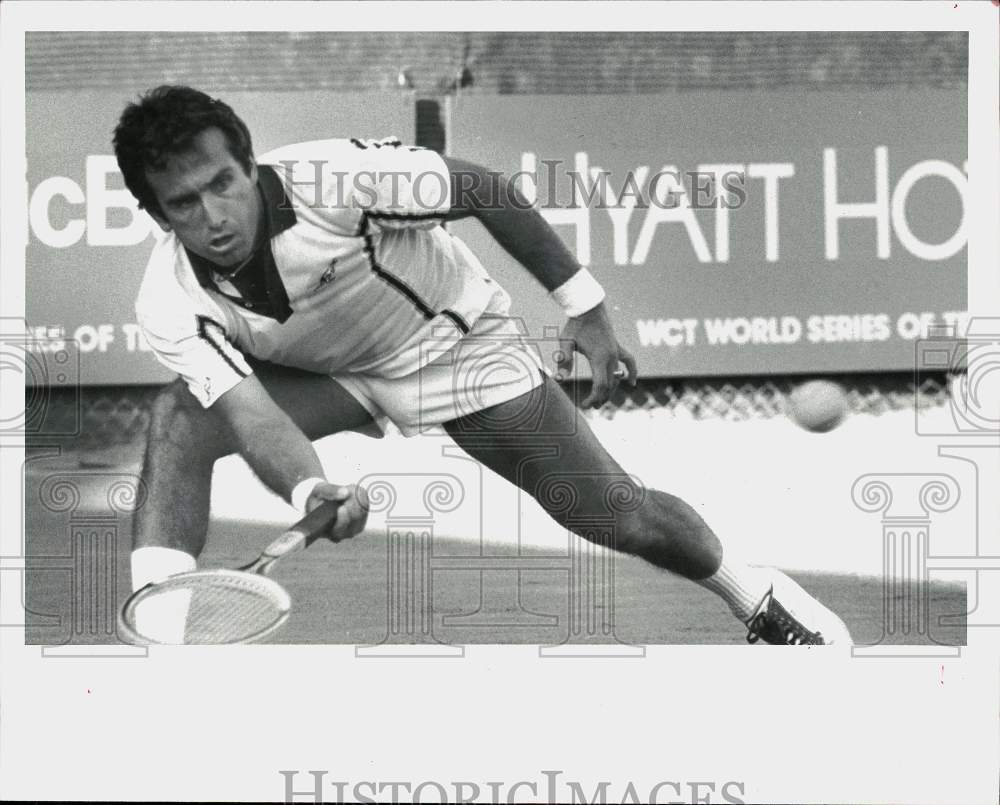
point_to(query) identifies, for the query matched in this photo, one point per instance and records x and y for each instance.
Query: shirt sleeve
(400, 186)
(189, 337)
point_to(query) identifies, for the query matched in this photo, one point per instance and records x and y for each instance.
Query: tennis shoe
(806, 622)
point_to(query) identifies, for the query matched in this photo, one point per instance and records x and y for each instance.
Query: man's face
(209, 201)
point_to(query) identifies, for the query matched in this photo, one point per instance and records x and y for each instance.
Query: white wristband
(578, 294)
(302, 491)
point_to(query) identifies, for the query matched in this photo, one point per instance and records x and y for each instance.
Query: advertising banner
(736, 233)
(742, 233)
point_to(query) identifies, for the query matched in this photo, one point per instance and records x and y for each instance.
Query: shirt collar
(280, 214)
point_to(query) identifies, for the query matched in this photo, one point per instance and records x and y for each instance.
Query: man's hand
(593, 336)
(527, 237)
(353, 513)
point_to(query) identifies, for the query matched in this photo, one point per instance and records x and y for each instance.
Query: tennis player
(315, 291)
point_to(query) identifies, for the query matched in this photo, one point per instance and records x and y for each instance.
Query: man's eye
(221, 184)
(184, 203)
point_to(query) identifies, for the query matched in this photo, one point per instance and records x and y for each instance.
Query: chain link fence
(741, 400)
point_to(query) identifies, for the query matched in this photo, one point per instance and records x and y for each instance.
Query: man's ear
(253, 172)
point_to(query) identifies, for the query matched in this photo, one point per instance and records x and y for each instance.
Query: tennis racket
(224, 606)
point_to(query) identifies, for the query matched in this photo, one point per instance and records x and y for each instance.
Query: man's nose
(215, 214)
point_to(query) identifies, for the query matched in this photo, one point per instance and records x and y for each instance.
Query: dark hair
(165, 122)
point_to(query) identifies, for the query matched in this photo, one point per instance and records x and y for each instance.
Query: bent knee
(178, 419)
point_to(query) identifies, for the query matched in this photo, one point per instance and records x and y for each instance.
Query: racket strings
(213, 607)
(219, 614)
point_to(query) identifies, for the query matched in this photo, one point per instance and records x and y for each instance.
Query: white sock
(161, 617)
(154, 563)
(740, 585)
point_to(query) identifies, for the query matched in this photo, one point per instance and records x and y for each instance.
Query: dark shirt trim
(389, 142)
(408, 216)
(281, 214)
(203, 324)
(391, 279)
(460, 323)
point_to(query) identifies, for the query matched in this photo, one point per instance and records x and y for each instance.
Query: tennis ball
(818, 405)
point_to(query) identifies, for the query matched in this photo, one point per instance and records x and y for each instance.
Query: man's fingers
(599, 388)
(340, 525)
(613, 377)
(352, 516)
(564, 359)
(598, 395)
(633, 369)
(331, 492)
(361, 496)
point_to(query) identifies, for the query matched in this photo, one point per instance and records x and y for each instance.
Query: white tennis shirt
(357, 275)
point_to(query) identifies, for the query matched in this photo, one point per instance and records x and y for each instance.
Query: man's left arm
(527, 237)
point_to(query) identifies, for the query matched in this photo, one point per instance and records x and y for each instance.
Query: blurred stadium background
(754, 462)
(500, 63)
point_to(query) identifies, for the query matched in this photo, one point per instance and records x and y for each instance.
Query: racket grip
(305, 531)
(315, 523)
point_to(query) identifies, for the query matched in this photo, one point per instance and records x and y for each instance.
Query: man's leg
(185, 440)
(534, 452)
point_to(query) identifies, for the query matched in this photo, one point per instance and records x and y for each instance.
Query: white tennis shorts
(495, 362)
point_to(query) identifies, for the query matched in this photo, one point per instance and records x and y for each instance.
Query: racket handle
(305, 531)
(314, 524)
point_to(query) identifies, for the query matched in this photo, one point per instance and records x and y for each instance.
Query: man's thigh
(542, 443)
(319, 405)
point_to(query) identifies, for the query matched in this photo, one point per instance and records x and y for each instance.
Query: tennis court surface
(341, 595)
(490, 568)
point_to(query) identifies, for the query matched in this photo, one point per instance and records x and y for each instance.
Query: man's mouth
(221, 241)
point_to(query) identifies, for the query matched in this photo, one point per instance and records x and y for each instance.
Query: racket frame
(274, 593)
(297, 538)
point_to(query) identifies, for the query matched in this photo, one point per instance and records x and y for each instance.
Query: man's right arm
(272, 444)
(282, 456)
